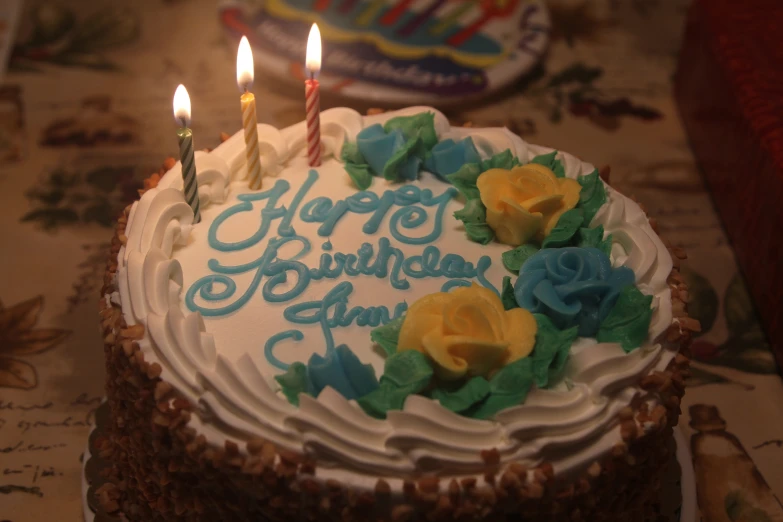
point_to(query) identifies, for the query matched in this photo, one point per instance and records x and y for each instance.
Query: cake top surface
(376, 330)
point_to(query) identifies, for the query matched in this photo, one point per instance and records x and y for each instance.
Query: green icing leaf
(590, 237)
(551, 351)
(508, 387)
(474, 216)
(606, 245)
(480, 233)
(564, 231)
(387, 335)
(545, 159)
(391, 170)
(404, 374)
(360, 175)
(592, 196)
(408, 369)
(507, 380)
(384, 398)
(356, 166)
(465, 180)
(501, 160)
(516, 257)
(628, 320)
(507, 294)
(463, 397)
(420, 125)
(351, 154)
(293, 382)
(550, 160)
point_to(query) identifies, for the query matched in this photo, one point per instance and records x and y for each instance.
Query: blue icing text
(282, 277)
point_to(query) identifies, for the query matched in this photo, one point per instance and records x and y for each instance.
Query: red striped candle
(313, 117)
(313, 98)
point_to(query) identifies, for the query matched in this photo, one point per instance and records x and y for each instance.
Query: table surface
(84, 119)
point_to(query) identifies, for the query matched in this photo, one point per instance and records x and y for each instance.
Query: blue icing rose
(448, 156)
(343, 371)
(571, 286)
(389, 155)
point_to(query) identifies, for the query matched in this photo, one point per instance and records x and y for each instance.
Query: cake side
(637, 423)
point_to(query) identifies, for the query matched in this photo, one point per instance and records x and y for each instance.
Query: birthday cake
(438, 323)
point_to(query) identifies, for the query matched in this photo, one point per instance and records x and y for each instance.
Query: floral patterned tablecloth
(85, 116)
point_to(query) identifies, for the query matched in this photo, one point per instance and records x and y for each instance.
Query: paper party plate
(397, 51)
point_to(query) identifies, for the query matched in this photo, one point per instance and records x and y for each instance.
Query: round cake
(438, 323)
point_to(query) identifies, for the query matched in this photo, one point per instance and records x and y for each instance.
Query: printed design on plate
(402, 32)
(475, 351)
(438, 46)
(19, 338)
(57, 37)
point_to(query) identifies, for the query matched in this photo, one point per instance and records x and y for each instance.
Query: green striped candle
(186, 154)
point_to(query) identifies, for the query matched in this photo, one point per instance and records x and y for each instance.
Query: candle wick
(183, 122)
(312, 75)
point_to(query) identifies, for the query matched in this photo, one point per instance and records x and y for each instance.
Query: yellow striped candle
(249, 120)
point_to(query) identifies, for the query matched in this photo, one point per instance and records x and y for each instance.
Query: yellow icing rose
(467, 332)
(525, 202)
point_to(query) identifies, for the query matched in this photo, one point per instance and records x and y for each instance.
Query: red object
(348, 5)
(729, 87)
(394, 14)
(414, 23)
(322, 5)
(492, 9)
(313, 117)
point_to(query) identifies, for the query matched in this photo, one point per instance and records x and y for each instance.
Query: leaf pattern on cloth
(575, 90)
(19, 338)
(90, 274)
(58, 38)
(574, 22)
(746, 347)
(68, 196)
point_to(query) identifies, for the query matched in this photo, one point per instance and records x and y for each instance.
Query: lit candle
(185, 135)
(249, 121)
(313, 97)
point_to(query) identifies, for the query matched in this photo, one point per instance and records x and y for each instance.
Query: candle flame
(182, 106)
(313, 56)
(245, 65)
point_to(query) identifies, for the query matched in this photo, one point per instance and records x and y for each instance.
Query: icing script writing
(282, 277)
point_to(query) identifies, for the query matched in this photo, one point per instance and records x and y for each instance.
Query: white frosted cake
(437, 323)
